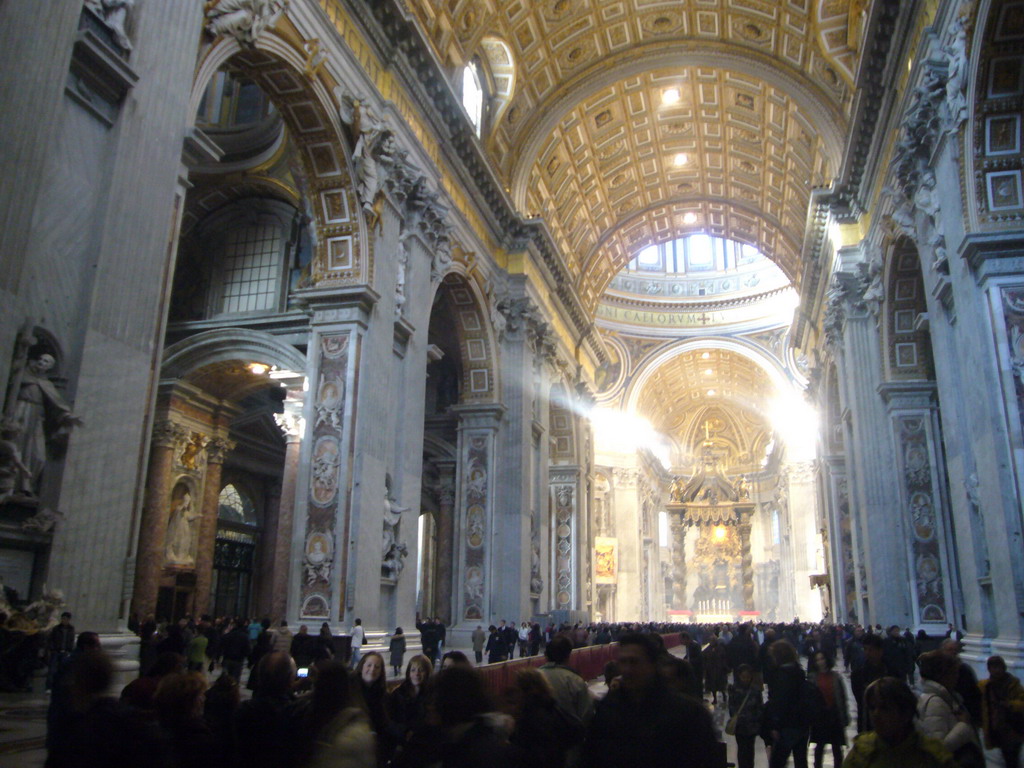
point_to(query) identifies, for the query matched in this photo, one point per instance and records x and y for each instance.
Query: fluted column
(216, 450)
(153, 526)
(445, 553)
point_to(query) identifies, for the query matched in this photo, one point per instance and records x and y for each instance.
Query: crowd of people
(917, 704)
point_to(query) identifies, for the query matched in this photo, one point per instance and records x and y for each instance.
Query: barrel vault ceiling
(586, 138)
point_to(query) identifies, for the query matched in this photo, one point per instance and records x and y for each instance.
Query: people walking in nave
(872, 668)
(642, 722)
(787, 716)
(1002, 711)
(966, 680)
(829, 729)
(894, 741)
(746, 710)
(941, 711)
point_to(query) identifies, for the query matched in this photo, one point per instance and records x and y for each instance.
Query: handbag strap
(743, 704)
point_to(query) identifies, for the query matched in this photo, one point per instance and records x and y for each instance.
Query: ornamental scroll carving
(244, 20)
(937, 105)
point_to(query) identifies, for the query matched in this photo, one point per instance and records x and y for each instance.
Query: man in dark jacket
(261, 729)
(429, 638)
(234, 650)
(497, 648)
(872, 669)
(742, 649)
(643, 723)
(693, 655)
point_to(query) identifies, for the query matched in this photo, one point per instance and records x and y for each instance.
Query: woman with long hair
(373, 684)
(406, 705)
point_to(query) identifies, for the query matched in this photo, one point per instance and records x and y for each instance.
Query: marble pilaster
(216, 449)
(445, 552)
(874, 490)
(477, 586)
(153, 526)
(565, 493)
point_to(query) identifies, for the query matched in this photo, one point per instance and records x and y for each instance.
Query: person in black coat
(865, 674)
(261, 734)
(786, 723)
(497, 648)
(234, 650)
(643, 723)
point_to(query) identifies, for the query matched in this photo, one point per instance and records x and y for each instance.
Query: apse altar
(713, 572)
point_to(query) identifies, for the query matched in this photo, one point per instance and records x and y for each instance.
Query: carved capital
(217, 449)
(168, 434)
(520, 315)
(291, 423)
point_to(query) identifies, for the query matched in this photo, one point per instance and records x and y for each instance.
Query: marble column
(216, 450)
(748, 566)
(153, 526)
(444, 555)
(679, 602)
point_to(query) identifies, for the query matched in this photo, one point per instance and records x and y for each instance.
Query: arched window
(236, 507)
(252, 261)
(473, 95)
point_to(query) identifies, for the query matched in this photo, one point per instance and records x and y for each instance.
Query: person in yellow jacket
(1002, 711)
(894, 742)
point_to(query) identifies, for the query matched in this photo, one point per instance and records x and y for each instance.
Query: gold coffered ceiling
(586, 143)
(675, 398)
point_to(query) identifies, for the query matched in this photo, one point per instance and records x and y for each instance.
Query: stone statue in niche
(393, 550)
(113, 13)
(37, 418)
(243, 20)
(181, 528)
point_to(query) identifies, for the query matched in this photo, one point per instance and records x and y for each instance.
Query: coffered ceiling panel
(734, 157)
(586, 142)
(677, 393)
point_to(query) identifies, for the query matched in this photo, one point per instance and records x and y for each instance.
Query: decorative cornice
(872, 88)
(392, 31)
